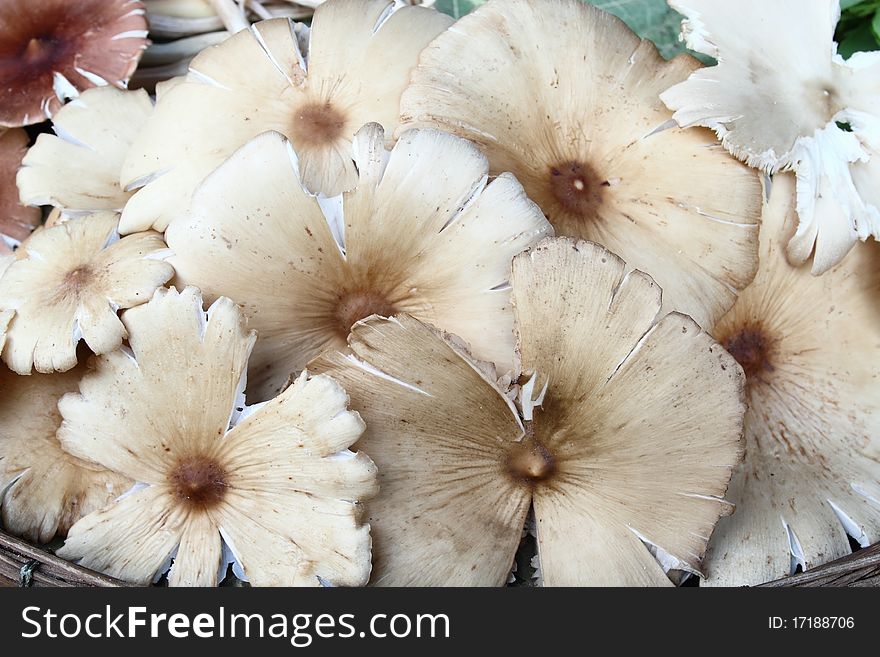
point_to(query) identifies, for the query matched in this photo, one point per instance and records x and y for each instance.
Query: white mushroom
(564, 96)
(276, 484)
(781, 98)
(66, 284)
(317, 87)
(423, 233)
(78, 168)
(810, 349)
(613, 405)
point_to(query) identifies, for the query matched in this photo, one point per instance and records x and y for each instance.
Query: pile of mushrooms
(367, 300)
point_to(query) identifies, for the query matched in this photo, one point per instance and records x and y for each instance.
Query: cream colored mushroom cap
(16, 220)
(78, 168)
(423, 233)
(777, 99)
(810, 348)
(66, 284)
(316, 87)
(276, 484)
(565, 97)
(43, 489)
(640, 421)
(617, 406)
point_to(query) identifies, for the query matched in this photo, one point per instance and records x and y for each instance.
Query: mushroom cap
(358, 56)
(614, 405)
(777, 100)
(66, 284)
(564, 96)
(423, 233)
(43, 489)
(446, 513)
(277, 482)
(78, 168)
(50, 50)
(810, 349)
(16, 220)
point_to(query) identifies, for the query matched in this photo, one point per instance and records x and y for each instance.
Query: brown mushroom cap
(50, 50)
(810, 348)
(630, 432)
(16, 220)
(43, 489)
(565, 97)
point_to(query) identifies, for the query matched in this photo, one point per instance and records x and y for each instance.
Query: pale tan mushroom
(51, 50)
(565, 97)
(781, 98)
(43, 489)
(810, 349)
(630, 431)
(276, 484)
(423, 233)
(16, 220)
(78, 168)
(66, 284)
(316, 87)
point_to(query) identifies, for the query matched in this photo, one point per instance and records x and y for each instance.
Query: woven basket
(22, 564)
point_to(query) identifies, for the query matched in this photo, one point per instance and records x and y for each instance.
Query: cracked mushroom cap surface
(65, 285)
(51, 50)
(423, 233)
(78, 167)
(44, 489)
(615, 405)
(317, 87)
(16, 220)
(810, 348)
(565, 97)
(275, 486)
(778, 99)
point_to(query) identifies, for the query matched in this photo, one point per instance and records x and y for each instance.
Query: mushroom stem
(257, 7)
(232, 14)
(161, 54)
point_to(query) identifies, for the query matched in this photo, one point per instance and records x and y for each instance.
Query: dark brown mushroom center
(530, 462)
(578, 188)
(751, 347)
(77, 279)
(317, 124)
(199, 482)
(357, 305)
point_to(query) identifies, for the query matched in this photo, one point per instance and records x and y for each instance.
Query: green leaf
(846, 4)
(457, 8)
(860, 39)
(650, 19)
(875, 26)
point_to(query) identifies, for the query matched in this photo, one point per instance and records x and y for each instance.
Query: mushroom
(359, 56)
(66, 284)
(51, 50)
(78, 170)
(184, 18)
(276, 485)
(565, 96)
(43, 489)
(630, 430)
(784, 99)
(809, 348)
(16, 220)
(423, 233)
